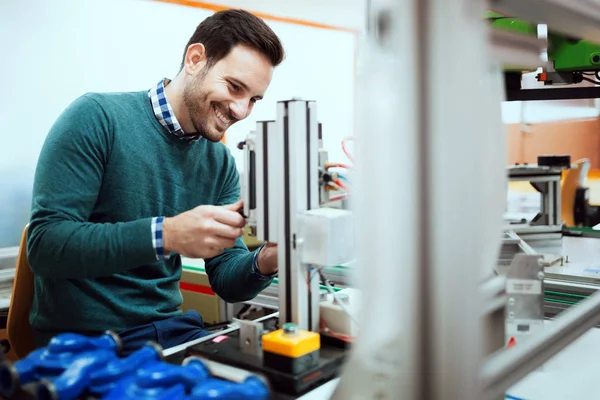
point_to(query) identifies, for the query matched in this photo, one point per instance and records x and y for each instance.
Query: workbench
(571, 374)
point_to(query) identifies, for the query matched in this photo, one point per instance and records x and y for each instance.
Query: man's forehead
(248, 66)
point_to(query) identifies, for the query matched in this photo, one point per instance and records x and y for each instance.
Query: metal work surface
(581, 259)
(570, 374)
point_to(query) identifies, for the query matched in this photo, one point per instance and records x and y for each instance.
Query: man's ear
(195, 58)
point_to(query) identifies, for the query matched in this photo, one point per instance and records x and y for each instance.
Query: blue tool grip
(188, 376)
(159, 380)
(13, 376)
(76, 377)
(105, 379)
(214, 388)
(75, 343)
(51, 361)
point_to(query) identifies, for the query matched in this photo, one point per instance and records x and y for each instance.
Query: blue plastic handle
(214, 388)
(159, 381)
(51, 361)
(105, 379)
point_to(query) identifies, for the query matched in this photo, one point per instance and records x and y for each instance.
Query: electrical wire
(338, 165)
(340, 197)
(334, 185)
(344, 178)
(340, 184)
(591, 80)
(325, 329)
(509, 397)
(345, 149)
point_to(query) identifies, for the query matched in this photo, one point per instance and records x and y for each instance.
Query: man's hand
(204, 231)
(267, 259)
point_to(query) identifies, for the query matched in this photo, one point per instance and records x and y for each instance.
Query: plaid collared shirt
(164, 113)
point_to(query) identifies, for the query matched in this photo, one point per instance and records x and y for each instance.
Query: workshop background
(56, 51)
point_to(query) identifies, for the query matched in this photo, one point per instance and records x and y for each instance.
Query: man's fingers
(227, 231)
(229, 217)
(237, 206)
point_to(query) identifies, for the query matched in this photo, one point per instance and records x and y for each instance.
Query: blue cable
(344, 178)
(509, 397)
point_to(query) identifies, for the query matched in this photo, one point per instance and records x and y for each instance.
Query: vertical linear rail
(298, 288)
(269, 180)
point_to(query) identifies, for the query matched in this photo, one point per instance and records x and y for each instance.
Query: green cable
(578, 296)
(560, 301)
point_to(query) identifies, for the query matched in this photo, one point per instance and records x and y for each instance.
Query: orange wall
(579, 139)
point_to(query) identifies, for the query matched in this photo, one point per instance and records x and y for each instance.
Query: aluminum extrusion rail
(508, 367)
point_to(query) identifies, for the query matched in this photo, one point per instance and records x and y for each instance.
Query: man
(128, 182)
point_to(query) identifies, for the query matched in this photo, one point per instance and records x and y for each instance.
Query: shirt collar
(164, 113)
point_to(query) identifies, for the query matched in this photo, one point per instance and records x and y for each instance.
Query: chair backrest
(18, 329)
(573, 178)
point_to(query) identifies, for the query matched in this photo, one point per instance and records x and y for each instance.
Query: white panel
(343, 13)
(55, 51)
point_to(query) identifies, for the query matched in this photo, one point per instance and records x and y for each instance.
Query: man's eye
(235, 87)
(253, 100)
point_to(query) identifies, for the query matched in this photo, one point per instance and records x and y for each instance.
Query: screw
(511, 315)
(541, 275)
(511, 301)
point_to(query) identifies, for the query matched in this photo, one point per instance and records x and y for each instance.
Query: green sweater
(106, 168)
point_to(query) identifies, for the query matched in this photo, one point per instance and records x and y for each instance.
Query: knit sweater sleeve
(62, 243)
(233, 274)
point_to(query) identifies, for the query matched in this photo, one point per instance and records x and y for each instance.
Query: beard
(200, 110)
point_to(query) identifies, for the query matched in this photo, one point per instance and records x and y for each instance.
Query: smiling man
(127, 183)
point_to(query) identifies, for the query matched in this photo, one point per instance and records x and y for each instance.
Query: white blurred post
(429, 200)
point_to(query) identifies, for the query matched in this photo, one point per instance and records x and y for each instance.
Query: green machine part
(573, 54)
(567, 54)
(516, 25)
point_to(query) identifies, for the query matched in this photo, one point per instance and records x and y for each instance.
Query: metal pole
(508, 367)
(421, 330)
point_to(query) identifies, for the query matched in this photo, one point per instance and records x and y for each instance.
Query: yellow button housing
(291, 345)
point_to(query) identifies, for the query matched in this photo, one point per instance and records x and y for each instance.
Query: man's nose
(239, 109)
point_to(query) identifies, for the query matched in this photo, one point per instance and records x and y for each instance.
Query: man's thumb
(235, 206)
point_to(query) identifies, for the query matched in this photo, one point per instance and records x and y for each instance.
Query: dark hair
(226, 29)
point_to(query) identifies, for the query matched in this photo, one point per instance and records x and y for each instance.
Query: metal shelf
(512, 49)
(577, 18)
